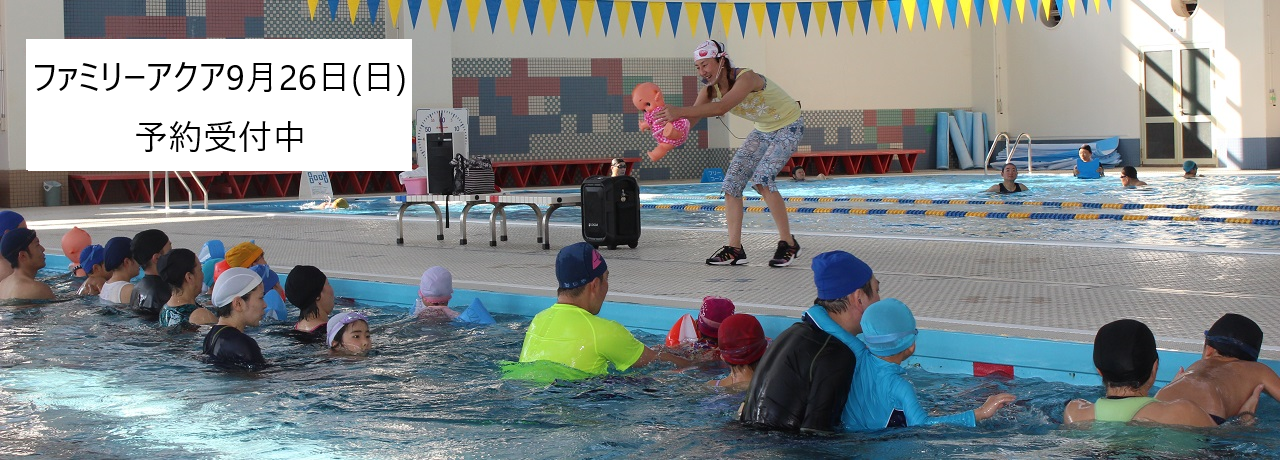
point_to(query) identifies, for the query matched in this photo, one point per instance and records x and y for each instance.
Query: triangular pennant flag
(624, 15)
(865, 9)
(333, 10)
(656, 9)
(909, 12)
(394, 7)
(454, 7)
(1097, 6)
(587, 7)
(1022, 10)
(373, 11)
(606, 13)
(937, 6)
(311, 6)
(353, 6)
(895, 11)
(757, 10)
(433, 7)
(1071, 4)
(673, 12)
(693, 10)
(492, 7)
(639, 8)
(725, 10)
(531, 13)
(1008, 11)
(966, 10)
(953, 6)
(570, 8)
(513, 12)
(1085, 4)
(773, 8)
(742, 16)
(925, 8)
(473, 12)
(788, 15)
(820, 10)
(1108, 5)
(548, 13)
(414, 6)
(709, 16)
(979, 7)
(803, 8)
(1035, 8)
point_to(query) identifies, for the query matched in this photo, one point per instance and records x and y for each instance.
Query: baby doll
(647, 97)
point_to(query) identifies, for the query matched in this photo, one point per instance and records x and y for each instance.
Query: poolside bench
(823, 162)
(90, 188)
(556, 172)
(499, 201)
(268, 183)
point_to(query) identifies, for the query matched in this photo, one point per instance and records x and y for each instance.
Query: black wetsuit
(1017, 187)
(227, 346)
(150, 296)
(802, 382)
(318, 335)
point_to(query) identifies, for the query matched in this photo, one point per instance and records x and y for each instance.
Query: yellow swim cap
(341, 203)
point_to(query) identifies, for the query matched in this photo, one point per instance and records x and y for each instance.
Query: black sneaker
(785, 253)
(728, 255)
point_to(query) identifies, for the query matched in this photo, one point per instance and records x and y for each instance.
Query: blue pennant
(978, 5)
(743, 11)
(606, 13)
(773, 8)
(864, 7)
(639, 9)
(414, 6)
(924, 13)
(895, 11)
(493, 6)
(1008, 11)
(952, 6)
(804, 8)
(333, 10)
(569, 7)
(373, 11)
(835, 15)
(531, 12)
(454, 7)
(673, 12)
(709, 15)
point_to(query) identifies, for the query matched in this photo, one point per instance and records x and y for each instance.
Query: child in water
(349, 334)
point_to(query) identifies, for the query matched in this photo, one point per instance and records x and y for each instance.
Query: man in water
(1225, 378)
(22, 251)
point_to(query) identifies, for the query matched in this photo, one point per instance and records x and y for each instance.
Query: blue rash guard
(879, 396)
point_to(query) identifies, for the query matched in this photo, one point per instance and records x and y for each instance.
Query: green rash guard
(1119, 410)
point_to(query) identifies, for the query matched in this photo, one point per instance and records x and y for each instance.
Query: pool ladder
(151, 184)
(1017, 141)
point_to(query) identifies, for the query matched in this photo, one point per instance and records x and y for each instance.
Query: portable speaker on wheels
(611, 211)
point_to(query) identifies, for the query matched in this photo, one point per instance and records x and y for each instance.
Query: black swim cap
(1124, 351)
(147, 243)
(1235, 336)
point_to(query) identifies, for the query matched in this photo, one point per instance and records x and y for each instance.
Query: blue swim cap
(1188, 166)
(888, 327)
(10, 220)
(212, 249)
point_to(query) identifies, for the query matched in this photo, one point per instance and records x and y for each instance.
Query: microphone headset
(719, 54)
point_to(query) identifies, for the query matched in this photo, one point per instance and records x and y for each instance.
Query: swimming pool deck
(1046, 290)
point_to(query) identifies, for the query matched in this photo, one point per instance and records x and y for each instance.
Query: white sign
(217, 105)
(315, 185)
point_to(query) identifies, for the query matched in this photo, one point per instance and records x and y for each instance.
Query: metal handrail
(151, 179)
(1015, 143)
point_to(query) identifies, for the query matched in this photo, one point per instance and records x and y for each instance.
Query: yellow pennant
(909, 9)
(588, 9)
(1044, 7)
(851, 17)
(1072, 3)
(757, 10)
(657, 12)
(311, 6)
(788, 14)
(624, 15)
(353, 6)
(394, 7)
(548, 13)
(994, 6)
(820, 10)
(939, 8)
(879, 7)
(473, 11)
(513, 13)
(966, 7)
(692, 10)
(434, 8)
(1022, 7)
(726, 16)
(1097, 5)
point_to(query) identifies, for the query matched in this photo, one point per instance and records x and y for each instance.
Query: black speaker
(439, 163)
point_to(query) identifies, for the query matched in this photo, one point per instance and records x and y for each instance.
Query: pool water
(85, 380)
(692, 206)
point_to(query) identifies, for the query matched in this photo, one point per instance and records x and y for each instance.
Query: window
(1053, 16)
(1184, 8)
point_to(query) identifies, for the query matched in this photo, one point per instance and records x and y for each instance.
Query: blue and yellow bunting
(701, 16)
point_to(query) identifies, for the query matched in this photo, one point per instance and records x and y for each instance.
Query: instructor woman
(778, 128)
